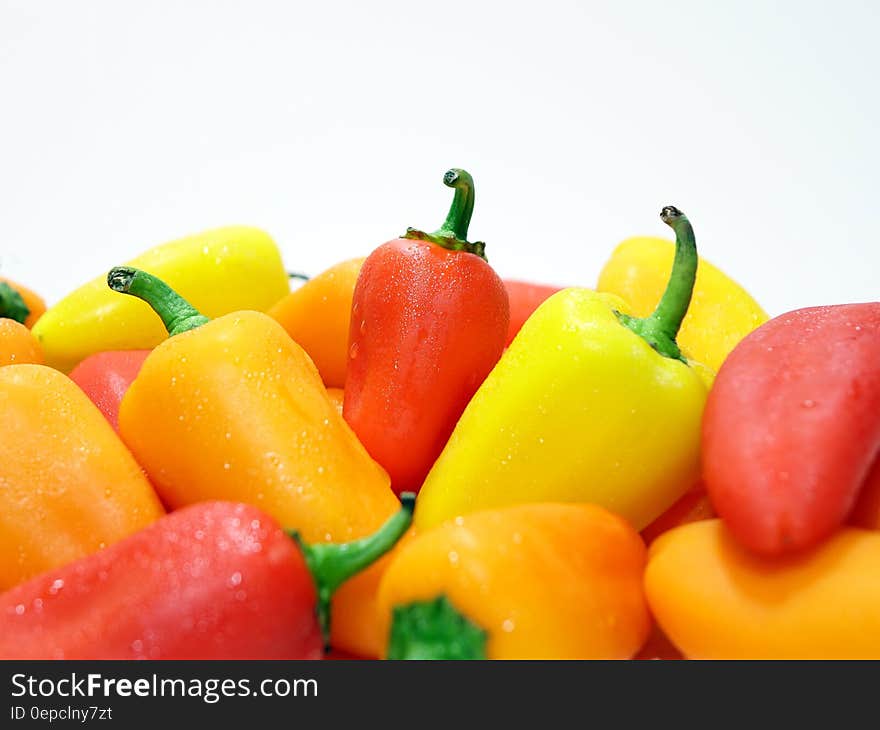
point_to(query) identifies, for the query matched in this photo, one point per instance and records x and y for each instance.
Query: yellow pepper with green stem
(220, 271)
(721, 312)
(588, 404)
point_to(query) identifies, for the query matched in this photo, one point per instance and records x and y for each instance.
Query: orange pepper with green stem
(20, 303)
(317, 315)
(69, 485)
(233, 409)
(531, 581)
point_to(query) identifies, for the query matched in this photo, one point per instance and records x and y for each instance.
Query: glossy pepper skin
(20, 303)
(721, 311)
(220, 271)
(233, 409)
(782, 467)
(106, 376)
(534, 581)
(581, 408)
(69, 485)
(524, 298)
(429, 321)
(18, 345)
(216, 580)
(317, 315)
(717, 600)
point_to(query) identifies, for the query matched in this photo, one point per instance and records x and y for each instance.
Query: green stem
(661, 327)
(434, 630)
(453, 233)
(331, 564)
(12, 306)
(297, 275)
(177, 314)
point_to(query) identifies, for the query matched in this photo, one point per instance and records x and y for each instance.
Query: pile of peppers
(407, 456)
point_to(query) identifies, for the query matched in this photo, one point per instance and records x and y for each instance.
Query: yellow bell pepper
(721, 311)
(588, 404)
(220, 271)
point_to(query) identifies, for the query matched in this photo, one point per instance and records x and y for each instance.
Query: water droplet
(199, 535)
(459, 521)
(228, 435)
(353, 350)
(204, 251)
(137, 646)
(19, 609)
(363, 327)
(255, 524)
(508, 625)
(227, 466)
(56, 586)
(234, 580)
(808, 403)
(320, 470)
(453, 557)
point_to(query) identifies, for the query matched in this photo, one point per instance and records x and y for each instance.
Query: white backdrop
(125, 124)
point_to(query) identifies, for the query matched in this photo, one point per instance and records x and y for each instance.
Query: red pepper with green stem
(106, 376)
(215, 580)
(429, 321)
(792, 426)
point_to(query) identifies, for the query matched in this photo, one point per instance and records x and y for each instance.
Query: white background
(330, 124)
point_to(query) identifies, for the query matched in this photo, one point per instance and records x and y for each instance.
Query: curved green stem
(177, 314)
(434, 630)
(661, 327)
(453, 233)
(297, 275)
(12, 306)
(331, 564)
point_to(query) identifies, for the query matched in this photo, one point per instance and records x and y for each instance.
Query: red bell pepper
(524, 298)
(429, 321)
(792, 426)
(216, 580)
(105, 377)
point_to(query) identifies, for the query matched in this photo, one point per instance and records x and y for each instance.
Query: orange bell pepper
(33, 301)
(318, 315)
(69, 485)
(716, 600)
(233, 409)
(18, 345)
(531, 581)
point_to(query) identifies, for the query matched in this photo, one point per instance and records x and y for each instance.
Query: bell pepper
(792, 426)
(17, 344)
(534, 581)
(106, 376)
(429, 321)
(318, 316)
(721, 311)
(232, 409)
(217, 580)
(220, 271)
(588, 404)
(715, 599)
(20, 303)
(69, 485)
(524, 298)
